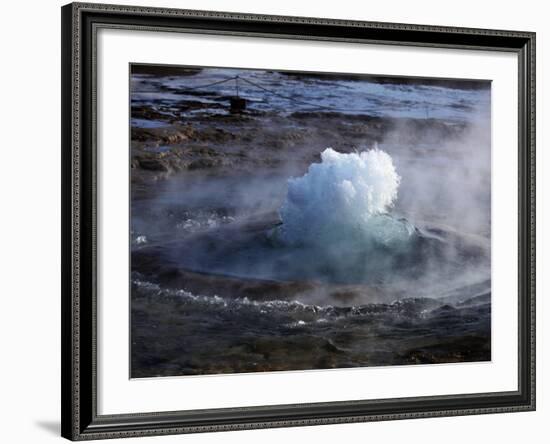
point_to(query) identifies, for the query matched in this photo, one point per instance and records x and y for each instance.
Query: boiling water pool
(335, 224)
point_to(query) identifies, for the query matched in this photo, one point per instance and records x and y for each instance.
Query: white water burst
(346, 197)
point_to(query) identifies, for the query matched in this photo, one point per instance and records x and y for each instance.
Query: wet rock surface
(174, 334)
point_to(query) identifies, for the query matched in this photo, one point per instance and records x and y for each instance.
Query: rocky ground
(230, 143)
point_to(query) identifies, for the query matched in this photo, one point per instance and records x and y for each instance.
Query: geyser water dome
(344, 200)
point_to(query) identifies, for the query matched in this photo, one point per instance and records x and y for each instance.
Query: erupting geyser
(344, 200)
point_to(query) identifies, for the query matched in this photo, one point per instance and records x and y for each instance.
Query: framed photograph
(281, 221)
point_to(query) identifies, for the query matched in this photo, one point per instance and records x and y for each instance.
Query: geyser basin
(334, 226)
(367, 258)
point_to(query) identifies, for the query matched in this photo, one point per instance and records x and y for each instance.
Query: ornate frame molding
(80, 420)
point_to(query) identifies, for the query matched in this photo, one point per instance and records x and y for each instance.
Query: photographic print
(287, 220)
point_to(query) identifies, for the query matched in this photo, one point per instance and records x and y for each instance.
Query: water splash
(345, 198)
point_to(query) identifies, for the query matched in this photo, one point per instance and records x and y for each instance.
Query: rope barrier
(213, 83)
(194, 87)
(303, 102)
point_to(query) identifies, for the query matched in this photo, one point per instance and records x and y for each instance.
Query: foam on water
(345, 198)
(311, 312)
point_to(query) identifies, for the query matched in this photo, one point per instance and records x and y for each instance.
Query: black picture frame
(80, 420)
